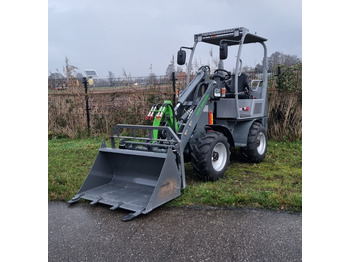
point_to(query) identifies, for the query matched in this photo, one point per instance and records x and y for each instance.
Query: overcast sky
(109, 35)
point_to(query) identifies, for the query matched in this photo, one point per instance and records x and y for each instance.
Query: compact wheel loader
(216, 112)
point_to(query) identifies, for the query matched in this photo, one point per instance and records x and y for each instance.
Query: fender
(241, 131)
(224, 130)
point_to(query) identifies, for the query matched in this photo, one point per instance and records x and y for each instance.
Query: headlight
(217, 92)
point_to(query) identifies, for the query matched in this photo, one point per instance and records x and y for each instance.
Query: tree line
(58, 80)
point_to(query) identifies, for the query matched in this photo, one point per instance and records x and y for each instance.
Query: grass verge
(276, 183)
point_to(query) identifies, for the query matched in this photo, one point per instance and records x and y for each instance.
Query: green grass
(276, 183)
(69, 163)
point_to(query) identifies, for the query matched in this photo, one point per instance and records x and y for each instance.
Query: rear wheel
(256, 148)
(210, 155)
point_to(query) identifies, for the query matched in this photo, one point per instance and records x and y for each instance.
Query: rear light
(211, 118)
(223, 92)
(245, 108)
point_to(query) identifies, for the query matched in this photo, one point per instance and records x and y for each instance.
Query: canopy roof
(234, 34)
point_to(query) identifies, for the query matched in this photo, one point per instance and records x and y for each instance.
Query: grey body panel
(240, 132)
(226, 108)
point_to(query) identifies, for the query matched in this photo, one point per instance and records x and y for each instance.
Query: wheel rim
(219, 156)
(261, 143)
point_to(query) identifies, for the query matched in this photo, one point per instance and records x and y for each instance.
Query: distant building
(180, 76)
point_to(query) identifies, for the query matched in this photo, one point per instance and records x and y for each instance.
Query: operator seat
(243, 86)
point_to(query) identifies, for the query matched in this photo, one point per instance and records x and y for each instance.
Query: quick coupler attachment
(151, 112)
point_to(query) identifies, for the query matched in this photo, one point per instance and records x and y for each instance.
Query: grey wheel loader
(216, 112)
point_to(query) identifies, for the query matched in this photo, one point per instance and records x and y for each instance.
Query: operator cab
(243, 98)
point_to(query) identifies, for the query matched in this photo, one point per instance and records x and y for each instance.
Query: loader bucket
(135, 180)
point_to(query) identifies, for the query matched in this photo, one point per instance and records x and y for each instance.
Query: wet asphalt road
(94, 233)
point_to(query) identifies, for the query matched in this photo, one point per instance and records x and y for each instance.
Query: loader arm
(190, 88)
(189, 120)
(196, 115)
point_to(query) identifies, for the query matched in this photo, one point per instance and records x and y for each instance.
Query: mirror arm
(224, 48)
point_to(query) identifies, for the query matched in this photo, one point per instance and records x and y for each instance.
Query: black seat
(243, 87)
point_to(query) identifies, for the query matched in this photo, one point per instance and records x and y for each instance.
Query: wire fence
(59, 82)
(132, 81)
(127, 101)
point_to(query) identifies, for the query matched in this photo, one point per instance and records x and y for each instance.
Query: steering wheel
(204, 67)
(227, 75)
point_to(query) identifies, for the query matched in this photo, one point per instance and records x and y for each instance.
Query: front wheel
(256, 148)
(210, 155)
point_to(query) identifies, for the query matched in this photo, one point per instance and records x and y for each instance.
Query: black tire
(210, 155)
(256, 148)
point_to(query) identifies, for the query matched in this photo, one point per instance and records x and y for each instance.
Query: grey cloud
(111, 35)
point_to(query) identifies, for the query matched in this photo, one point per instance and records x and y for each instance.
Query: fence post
(87, 104)
(174, 89)
(278, 70)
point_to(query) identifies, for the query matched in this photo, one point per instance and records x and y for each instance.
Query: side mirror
(223, 51)
(181, 57)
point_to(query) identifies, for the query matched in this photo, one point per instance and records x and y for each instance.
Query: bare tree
(111, 78)
(179, 69)
(171, 67)
(127, 77)
(247, 69)
(195, 65)
(152, 79)
(258, 68)
(215, 60)
(70, 72)
(79, 76)
(56, 80)
(278, 58)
